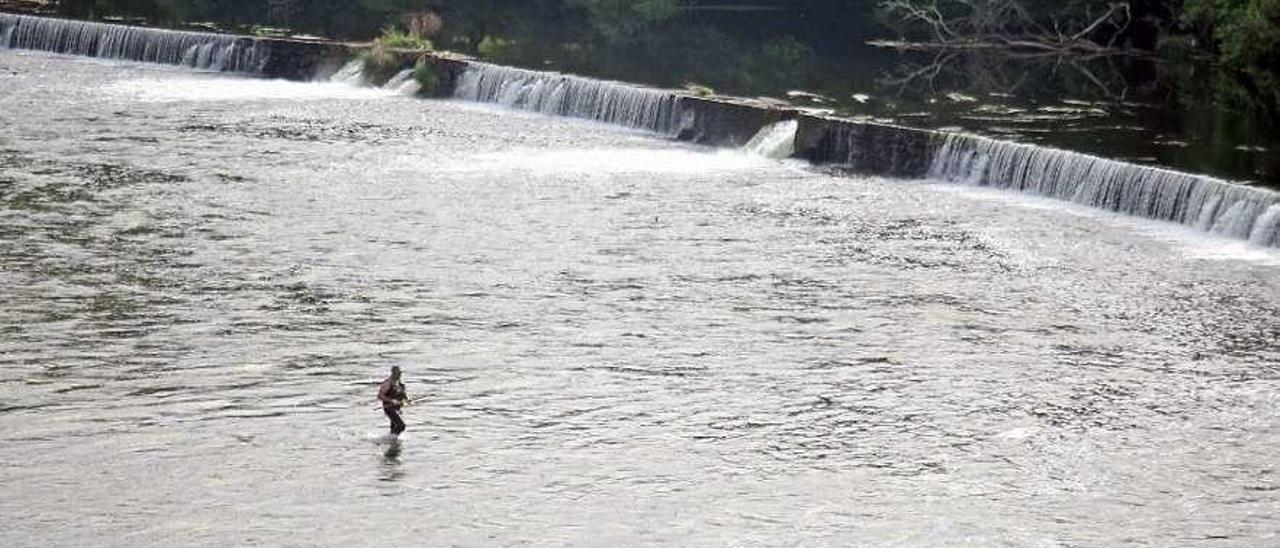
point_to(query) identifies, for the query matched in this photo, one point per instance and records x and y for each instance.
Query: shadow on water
(391, 468)
(1189, 116)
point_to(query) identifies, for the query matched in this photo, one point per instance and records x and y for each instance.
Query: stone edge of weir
(872, 148)
(728, 121)
(717, 120)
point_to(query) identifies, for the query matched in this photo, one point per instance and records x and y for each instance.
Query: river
(613, 338)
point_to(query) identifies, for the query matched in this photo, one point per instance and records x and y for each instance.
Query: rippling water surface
(614, 339)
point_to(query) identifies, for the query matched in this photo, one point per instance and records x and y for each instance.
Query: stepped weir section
(268, 57)
(1206, 203)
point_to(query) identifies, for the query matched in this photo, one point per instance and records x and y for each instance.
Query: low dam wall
(1206, 203)
(269, 57)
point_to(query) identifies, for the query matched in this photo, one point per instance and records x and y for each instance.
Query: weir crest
(1206, 203)
(202, 50)
(565, 95)
(1200, 201)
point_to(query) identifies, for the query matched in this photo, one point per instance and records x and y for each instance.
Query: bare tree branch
(1007, 23)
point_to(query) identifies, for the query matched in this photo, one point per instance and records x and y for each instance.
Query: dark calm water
(1173, 111)
(1182, 115)
(615, 339)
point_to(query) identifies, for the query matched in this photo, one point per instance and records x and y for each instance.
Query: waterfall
(776, 140)
(565, 95)
(1200, 201)
(403, 83)
(351, 73)
(201, 50)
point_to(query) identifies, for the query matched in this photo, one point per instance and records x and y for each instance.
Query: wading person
(393, 396)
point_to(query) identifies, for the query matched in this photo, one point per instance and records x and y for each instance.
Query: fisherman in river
(393, 396)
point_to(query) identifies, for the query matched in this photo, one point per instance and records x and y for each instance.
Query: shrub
(379, 64)
(1249, 32)
(699, 89)
(395, 39)
(426, 76)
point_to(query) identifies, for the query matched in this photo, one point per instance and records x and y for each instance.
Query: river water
(613, 339)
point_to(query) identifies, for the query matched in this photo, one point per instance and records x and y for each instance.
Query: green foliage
(1247, 32)
(699, 89)
(494, 48)
(425, 74)
(782, 62)
(393, 38)
(379, 64)
(627, 18)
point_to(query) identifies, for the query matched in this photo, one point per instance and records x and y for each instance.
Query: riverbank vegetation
(1187, 68)
(1240, 37)
(1243, 35)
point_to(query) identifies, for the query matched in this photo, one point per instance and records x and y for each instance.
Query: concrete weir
(862, 147)
(1203, 202)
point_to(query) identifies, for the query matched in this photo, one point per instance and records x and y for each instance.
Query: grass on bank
(426, 77)
(381, 61)
(393, 38)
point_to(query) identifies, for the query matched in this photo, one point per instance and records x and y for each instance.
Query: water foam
(351, 73)
(604, 161)
(222, 89)
(1209, 204)
(565, 95)
(776, 140)
(403, 83)
(218, 52)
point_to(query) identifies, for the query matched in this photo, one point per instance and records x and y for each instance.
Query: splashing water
(403, 83)
(351, 73)
(565, 95)
(776, 140)
(218, 52)
(1210, 204)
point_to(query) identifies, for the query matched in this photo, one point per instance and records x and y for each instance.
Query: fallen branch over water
(1015, 45)
(1006, 24)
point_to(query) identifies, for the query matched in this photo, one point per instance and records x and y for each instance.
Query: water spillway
(269, 57)
(1209, 204)
(220, 52)
(205, 276)
(1206, 203)
(776, 140)
(1199, 201)
(565, 95)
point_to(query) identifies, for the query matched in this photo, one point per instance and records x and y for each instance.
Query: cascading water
(201, 50)
(351, 73)
(1204, 202)
(565, 95)
(403, 83)
(776, 140)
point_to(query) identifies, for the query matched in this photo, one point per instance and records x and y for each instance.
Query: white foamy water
(1190, 241)
(1209, 204)
(239, 89)
(612, 340)
(777, 140)
(209, 51)
(568, 95)
(672, 160)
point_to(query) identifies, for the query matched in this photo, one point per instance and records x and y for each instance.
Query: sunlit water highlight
(228, 88)
(651, 344)
(605, 161)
